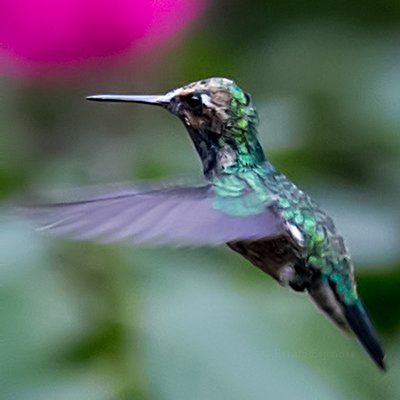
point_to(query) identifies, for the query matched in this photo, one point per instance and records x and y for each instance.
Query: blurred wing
(180, 216)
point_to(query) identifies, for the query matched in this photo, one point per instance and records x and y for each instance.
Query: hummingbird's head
(216, 105)
(219, 116)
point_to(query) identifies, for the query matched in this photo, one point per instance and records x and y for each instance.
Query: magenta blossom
(48, 37)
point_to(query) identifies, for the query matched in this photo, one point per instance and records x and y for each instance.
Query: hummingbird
(245, 203)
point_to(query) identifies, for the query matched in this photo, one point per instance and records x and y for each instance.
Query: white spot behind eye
(206, 99)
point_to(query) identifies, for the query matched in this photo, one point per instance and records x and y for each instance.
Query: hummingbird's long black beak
(160, 100)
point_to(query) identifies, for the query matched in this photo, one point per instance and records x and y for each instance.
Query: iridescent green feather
(248, 191)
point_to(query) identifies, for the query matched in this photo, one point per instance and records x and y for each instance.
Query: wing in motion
(180, 216)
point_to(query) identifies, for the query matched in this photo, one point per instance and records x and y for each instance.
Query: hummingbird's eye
(194, 101)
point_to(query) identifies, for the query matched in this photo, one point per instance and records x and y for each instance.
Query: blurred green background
(84, 321)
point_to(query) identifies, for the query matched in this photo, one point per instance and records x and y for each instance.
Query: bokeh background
(84, 321)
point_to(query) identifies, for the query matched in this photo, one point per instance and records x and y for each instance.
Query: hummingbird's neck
(228, 152)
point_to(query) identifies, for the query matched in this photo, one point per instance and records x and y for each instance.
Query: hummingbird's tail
(325, 299)
(360, 322)
(347, 316)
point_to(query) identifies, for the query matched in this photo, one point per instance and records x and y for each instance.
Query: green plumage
(310, 255)
(247, 204)
(247, 192)
(251, 183)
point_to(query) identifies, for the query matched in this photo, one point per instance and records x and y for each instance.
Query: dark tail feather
(359, 321)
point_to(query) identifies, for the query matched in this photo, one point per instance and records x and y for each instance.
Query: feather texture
(180, 216)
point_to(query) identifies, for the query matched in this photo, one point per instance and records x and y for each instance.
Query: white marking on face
(206, 99)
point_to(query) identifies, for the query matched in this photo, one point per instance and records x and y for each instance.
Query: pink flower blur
(42, 37)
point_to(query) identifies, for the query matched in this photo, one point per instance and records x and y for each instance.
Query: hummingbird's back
(310, 239)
